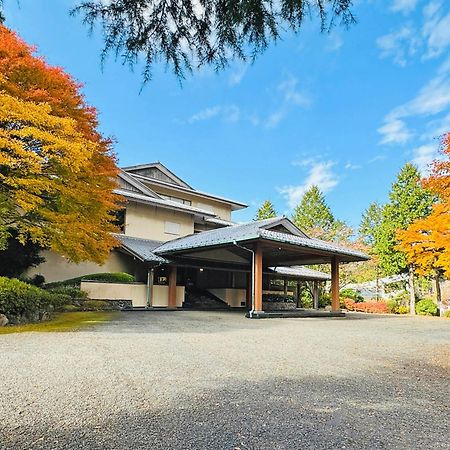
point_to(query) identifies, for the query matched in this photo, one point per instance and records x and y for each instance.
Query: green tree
(370, 223)
(190, 33)
(313, 216)
(408, 201)
(266, 211)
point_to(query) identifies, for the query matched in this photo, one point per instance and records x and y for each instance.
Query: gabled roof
(253, 231)
(137, 185)
(234, 203)
(142, 249)
(163, 203)
(174, 179)
(227, 235)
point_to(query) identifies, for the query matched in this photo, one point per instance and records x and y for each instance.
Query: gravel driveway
(215, 380)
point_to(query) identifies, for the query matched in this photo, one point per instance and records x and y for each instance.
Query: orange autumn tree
(426, 242)
(57, 173)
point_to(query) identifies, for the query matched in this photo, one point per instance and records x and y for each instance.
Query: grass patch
(63, 322)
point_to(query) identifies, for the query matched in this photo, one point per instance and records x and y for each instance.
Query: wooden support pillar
(285, 286)
(335, 284)
(258, 278)
(172, 302)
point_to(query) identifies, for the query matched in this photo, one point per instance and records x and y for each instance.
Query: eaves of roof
(163, 203)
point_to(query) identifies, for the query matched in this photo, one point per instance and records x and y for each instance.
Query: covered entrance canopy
(256, 247)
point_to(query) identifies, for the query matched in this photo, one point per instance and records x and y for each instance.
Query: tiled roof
(315, 244)
(302, 273)
(141, 248)
(253, 231)
(227, 235)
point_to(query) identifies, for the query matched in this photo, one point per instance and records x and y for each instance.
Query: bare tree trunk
(412, 293)
(438, 291)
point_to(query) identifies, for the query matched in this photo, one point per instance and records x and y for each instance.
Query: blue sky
(343, 110)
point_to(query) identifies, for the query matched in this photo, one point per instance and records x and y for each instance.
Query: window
(172, 228)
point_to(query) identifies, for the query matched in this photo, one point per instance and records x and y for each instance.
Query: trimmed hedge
(110, 277)
(21, 302)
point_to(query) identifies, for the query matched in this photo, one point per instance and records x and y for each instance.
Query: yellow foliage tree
(57, 172)
(426, 242)
(41, 159)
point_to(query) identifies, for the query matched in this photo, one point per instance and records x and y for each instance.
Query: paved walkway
(215, 380)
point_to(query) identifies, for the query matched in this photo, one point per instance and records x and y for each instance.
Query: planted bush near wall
(108, 277)
(21, 302)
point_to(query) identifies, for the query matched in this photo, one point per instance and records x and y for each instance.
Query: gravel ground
(215, 380)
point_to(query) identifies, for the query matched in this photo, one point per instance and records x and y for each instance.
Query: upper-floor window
(172, 228)
(177, 200)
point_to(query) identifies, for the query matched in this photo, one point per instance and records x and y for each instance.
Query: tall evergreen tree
(370, 223)
(408, 201)
(266, 211)
(313, 216)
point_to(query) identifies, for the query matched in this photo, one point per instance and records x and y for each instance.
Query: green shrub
(426, 307)
(351, 293)
(392, 306)
(22, 302)
(113, 277)
(324, 300)
(74, 293)
(96, 305)
(447, 314)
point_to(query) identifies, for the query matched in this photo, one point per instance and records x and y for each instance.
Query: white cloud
(351, 166)
(292, 95)
(237, 74)
(205, 114)
(436, 29)
(429, 39)
(230, 113)
(394, 131)
(423, 156)
(433, 99)
(399, 45)
(275, 118)
(436, 128)
(404, 6)
(319, 173)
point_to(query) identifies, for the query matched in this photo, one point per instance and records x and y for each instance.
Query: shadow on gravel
(406, 408)
(188, 321)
